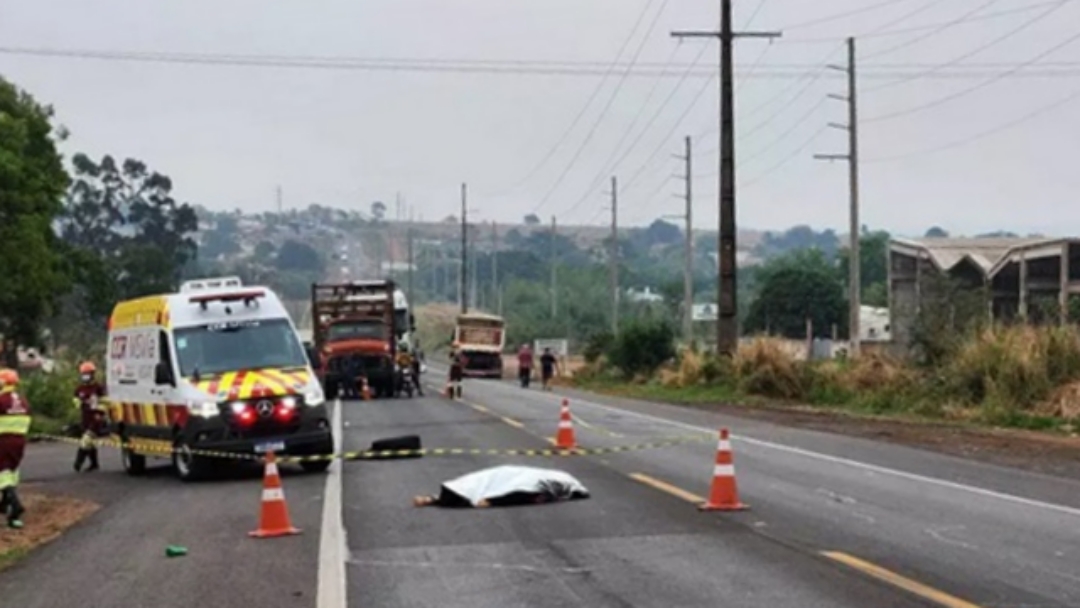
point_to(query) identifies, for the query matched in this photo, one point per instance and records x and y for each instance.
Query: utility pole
(279, 200)
(554, 282)
(688, 249)
(494, 266)
(727, 326)
(613, 255)
(852, 158)
(412, 268)
(464, 295)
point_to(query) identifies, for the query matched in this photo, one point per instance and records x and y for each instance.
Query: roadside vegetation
(1016, 376)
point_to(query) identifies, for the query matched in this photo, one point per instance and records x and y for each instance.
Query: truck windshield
(228, 347)
(356, 330)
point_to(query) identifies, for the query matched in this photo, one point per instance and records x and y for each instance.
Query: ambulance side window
(163, 372)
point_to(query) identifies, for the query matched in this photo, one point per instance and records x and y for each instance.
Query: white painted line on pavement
(844, 461)
(332, 547)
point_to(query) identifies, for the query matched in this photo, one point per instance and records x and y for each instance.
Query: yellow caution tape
(389, 454)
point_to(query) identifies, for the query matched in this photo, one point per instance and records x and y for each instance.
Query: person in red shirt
(14, 426)
(87, 394)
(525, 365)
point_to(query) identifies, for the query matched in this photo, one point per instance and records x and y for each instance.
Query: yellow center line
(666, 487)
(512, 422)
(907, 584)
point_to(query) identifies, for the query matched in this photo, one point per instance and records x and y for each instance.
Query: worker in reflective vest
(14, 426)
(87, 396)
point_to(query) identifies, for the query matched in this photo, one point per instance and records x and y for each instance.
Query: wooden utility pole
(854, 228)
(279, 201)
(613, 255)
(463, 296)
(727, 325)
(412, 268)
(554, 283)
(494, 266)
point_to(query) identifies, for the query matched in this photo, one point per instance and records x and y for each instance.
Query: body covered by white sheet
(496, 482)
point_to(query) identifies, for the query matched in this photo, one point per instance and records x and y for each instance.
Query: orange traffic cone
(723, 496)
(564, 439)
(274, 518)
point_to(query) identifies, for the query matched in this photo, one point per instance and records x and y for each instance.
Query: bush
(765, 368)
(50, 395)
(596, 345)
(642, 347)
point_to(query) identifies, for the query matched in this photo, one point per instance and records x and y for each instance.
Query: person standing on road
(548, 363)
(87, 395)
(525, 365)
(14, 426)
(457, 371)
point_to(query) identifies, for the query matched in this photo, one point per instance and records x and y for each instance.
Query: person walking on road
(87, 395)
(548, 363)
(525, 365)
(14, 427)
(457, 371)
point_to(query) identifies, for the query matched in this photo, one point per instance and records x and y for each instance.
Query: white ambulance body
(217, 367)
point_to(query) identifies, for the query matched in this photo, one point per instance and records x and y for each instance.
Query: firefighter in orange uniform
(14, 426)
(87, 395)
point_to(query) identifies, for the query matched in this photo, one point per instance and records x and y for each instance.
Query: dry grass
(764, 366)
(435, 324)
(47, 516)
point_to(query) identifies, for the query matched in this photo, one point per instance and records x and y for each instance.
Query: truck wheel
(188, 466)
(134, 464)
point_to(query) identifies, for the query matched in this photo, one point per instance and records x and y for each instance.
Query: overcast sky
(228, 135)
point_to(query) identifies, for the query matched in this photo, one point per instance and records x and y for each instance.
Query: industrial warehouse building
(1012, 273)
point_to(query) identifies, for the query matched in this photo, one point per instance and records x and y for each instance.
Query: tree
(134, 237)
(297, 256)
(265, 251)
(796, 287)
(873, 267)
(532, 220)
(660, 233)
(936, 232)
(378, 210)
(32, 182)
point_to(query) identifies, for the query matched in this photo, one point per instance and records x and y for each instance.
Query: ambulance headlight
(314, 397)
(206, 409)
(238, 407)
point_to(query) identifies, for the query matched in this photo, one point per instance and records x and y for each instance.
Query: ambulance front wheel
(188, 466)
(134, 464)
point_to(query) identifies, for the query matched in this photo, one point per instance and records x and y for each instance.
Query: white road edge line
(332, 546)
(1030, 502)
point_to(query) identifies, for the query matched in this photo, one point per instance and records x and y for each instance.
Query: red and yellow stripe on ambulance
(240, 385)
(136, 330)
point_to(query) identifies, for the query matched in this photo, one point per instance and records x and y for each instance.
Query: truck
(356, 335)
(481, 337)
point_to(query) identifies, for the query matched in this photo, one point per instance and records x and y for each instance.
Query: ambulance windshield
(234, 346)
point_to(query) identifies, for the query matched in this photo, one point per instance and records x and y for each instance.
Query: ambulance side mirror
(163, 374)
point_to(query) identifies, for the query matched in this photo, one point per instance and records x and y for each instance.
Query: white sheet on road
(500, 481)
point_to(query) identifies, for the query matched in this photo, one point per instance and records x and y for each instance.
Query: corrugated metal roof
(985, 253)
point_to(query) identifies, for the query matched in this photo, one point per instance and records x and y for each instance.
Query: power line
(795, 71)
(779, 138)
(955, 60)
(606, 169)
(785, 160)
(930, 26)
(588, 103)
(842, 15)
(932, 32)
(964, 92)
(1041, 111)
(603, 112)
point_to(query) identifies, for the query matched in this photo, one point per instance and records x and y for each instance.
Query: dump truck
(355, 335)
(481, 338)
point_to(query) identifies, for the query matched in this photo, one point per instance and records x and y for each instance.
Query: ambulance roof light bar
(247, 297)
(210, 284)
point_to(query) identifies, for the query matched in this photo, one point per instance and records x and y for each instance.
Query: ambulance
(217, 367)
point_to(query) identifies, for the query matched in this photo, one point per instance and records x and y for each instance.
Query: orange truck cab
(354, 335)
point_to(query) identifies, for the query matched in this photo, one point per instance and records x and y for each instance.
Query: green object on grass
(175, 551)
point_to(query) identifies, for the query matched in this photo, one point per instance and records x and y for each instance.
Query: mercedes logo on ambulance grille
(265, 408)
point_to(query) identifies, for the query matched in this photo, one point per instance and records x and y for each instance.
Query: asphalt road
(980, 533)
(834, 521)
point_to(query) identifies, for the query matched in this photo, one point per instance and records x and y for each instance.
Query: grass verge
(47, 517)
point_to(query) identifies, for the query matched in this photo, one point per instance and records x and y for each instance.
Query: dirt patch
(47, 516)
